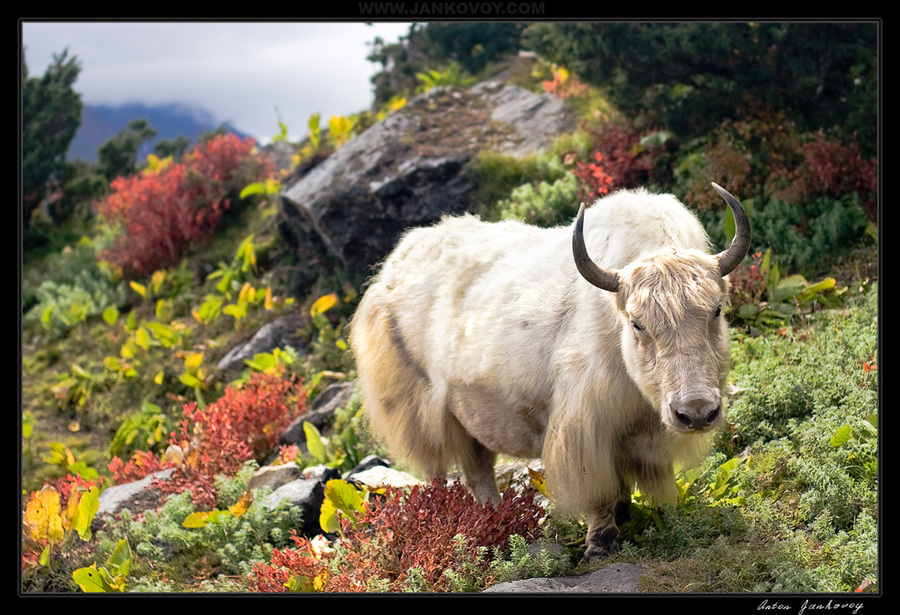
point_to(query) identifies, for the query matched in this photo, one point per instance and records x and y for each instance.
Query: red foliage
(748, 282)
(139, 466)
(405, 530)
(625, 163)
(243, 424)
(833, 169)
(592, 178)
(161, 213)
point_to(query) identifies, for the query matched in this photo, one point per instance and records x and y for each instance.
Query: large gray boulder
(410, 169)
(615, 578)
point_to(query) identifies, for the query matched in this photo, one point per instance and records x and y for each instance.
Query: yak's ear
(586, 267)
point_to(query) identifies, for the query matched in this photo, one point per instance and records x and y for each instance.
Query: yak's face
(674, 337)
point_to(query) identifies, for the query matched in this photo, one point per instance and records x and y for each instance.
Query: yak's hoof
(603, 544)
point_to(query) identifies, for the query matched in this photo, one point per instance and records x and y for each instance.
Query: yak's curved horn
(740, 245)
(586, 267)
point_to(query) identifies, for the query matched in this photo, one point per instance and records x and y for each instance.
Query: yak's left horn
(740, 245)
(586, 267)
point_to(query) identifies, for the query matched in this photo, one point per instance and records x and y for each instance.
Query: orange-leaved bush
(402, 531)
(243, 424)
(161, 211)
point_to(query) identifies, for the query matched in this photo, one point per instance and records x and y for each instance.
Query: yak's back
(627, 224)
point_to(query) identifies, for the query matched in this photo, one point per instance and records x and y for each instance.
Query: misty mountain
(99, 123)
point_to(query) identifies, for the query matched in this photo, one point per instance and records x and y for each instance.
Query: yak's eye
(718, 311)
(637, 327)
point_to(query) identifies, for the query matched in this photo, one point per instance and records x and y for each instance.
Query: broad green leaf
(164, 333)
(811, 291)
(120, 559)
(328, 520)
(88, 506)
(191, 380)
(111, 314)
(192, 361)
(93, 579)
(314, 442)
(341, 495)
(202, 519)
(841, 436)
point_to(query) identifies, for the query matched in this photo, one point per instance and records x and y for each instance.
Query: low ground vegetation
(120, 347)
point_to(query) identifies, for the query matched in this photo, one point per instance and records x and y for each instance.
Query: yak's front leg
(478, 469)
(603, 527)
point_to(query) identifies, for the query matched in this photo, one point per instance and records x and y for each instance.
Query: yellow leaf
(158, 378)
(247, 291)
(139, 288)
(268, 303)
(197, 519)
(42, 516)
(242, 505)
(157, 279)
(142, 338)
(193, 361)
(538, 480)
(323, 304)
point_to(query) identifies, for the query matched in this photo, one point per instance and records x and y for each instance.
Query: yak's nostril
(685, 420)
(697, 412)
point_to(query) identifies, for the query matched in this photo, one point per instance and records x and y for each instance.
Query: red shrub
(405, 530)
(243, 424)
(833, 169)
(139, 466)
(748, 282)
(162, 212)
(619, 161)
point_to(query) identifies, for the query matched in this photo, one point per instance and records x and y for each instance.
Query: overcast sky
(247, 74)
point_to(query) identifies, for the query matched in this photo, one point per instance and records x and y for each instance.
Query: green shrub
(544, 204)
(74, 288)
(806, 236)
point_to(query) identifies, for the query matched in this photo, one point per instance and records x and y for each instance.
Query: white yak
(482, 338)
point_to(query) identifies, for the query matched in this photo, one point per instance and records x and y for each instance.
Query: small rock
(274, 477)
(118, 497)
(380, 476)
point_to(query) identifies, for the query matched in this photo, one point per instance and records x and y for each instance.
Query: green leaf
(841, 436)
(94, 580)
(142, 338)
(111, 314)
(202, 519)
(164, 333)
(254, 188)
(120, 560)
(191, 380)
(811, 291)
(340, 495)
(88, 506)
(314, 442)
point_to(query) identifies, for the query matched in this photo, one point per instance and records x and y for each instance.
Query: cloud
(240, 72)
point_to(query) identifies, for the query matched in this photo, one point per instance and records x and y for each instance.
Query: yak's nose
(698, 411)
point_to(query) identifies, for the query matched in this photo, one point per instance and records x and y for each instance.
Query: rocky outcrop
(410, 169)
